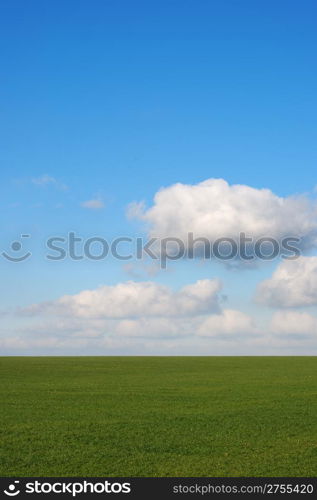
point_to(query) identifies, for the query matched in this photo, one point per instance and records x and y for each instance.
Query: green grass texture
(158, 416)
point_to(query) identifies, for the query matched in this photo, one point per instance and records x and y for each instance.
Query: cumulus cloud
(220, 324)
(230, 322)
(214, 209)
(147, 317)
(134, 299)
(94, 204)
(293, 284)
(293, 323)
(138, 310)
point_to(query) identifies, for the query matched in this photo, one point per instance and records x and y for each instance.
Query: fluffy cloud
(293, 323)
(150, 318)
(213, 209)
(230, 322)
(139, 310)
(226, 322)
(134, 299)
(293, 284)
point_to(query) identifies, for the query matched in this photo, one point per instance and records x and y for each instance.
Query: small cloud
(131, 270)
(95, 204)
(137, 270)
(46, 180)
(135, 210)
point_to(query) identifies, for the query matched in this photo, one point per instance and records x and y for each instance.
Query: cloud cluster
(136, 299)
(214, 209)
(293, 284)
(147, 317)
(144, 310)
(224, 324)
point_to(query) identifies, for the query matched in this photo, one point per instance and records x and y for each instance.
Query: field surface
(158, 416)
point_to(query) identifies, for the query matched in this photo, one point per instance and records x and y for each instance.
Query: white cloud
(230, 322)
(46, 180)
(150, 318)
(159, 327)
(214, 209)
(143, 311)
(134, 299)
(94, 204)
(293, 284)
(225, 332)
(226, 322)
(293, 323)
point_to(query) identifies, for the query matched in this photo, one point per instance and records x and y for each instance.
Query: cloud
(147, 318)
(293, 323)
(136, 210)
(293, 284)
(95, 204)
(46, 180)
(220, 324)
(133, 299)
(214, 209)
(230, 322)
(150, 318)
(138, 310)
(157, 327)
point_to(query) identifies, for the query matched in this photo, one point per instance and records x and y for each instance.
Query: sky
(157, 119)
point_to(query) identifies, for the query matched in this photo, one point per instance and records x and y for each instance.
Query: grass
(158, 416)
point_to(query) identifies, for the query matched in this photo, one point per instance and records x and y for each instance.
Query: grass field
(160, 416)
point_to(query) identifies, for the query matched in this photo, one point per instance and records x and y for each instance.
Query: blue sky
(116, 100)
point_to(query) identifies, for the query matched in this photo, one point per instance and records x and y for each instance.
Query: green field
(158, 416)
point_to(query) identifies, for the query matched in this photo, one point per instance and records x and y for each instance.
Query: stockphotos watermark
(68, 487)
(75, 247)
